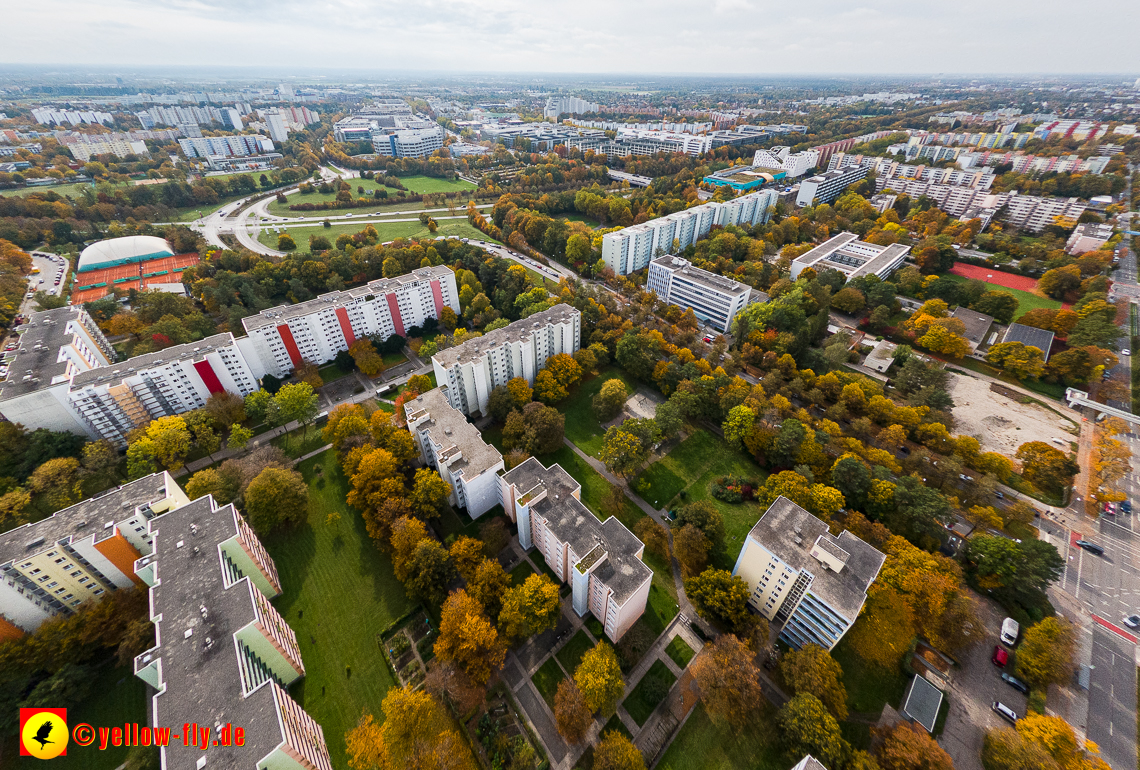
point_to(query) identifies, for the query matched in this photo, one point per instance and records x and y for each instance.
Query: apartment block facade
(601, 560)
(241, 145)
(803, 578)
(633, 248)
(828, 186)
(713, 298)
(475, 368)
(455, 448)
(315, 331)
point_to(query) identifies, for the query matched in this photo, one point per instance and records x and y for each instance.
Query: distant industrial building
(852, 257)
(714, 298)
(828, 186)
(800, 576)
(601, 560)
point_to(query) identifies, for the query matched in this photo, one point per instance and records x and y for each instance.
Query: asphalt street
(1112, 698)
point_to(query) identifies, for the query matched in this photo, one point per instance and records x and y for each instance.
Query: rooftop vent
(35, 542)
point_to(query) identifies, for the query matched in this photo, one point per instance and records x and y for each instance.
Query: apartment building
(50, 567)
(276, 125)
(803, 578)
(852, 257)
(1034, 213)
(714, 299)
(794, 164)
(113, 400)
(51, 116)
(281, 338)
(224, 655)
(1088, 237)
(240, 145)
(83, 147)
(1024, 163)
(601, 560)
(572, 105)
(409, 143)
(633, 248)
(828, 186)
(53, 346)
(476, 367)
(889, 171)
(455, 448)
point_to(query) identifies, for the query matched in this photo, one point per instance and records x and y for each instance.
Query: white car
(1132, 621)
(1126, 352)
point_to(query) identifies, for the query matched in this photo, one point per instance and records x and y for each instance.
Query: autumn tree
(55, 483)
(429, 571)
(368, 359)
(571, 713)
(721, 598)
(616, 752)
(1047, 652)
(276, 497)
(729, 680)
(417, 732)
(1039, 742)
(609, 400)
(884, 629)
(692, 549)
(429, 493)
(807, 727)
(909, 747)
(530, 608)
(651, 533)
(598, 676)
(536, 430)
(209, 481)
(488, 585)
(406, 535)
(1017, 359)
(812, 669)
(466, 554)
(469, 639)
(623, 452)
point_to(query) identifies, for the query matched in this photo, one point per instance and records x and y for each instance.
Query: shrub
(733, 489)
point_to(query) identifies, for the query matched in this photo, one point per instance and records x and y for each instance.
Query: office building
(224, 655)
(1088, 237)
(52, 346)
(852, 257)
(474, 368)
(455, 448)
(633, 248)
(408, 143)
(828, 186)
(113, 400)
(83, 147)
(281, 338)
(803, 578)
(601, 560)
(714, 299)
(50, 567)
(793, 164)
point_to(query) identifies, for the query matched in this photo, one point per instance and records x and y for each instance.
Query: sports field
(996, 281)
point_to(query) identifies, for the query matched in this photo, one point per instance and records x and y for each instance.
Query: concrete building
(977, 325)
(1031, 337)
(471, 370)
(572, 105)
(633, 248)
(714, 298)
(455, 448)
(828, 186)
(224, 655)
(809, 763)
(1035, 213)
(50, 567)
(600, 559)
(794, 164)
(803, 578)
(409, 143)
(281, 338)
(53, 346)
(113, 400)
(1088, 237)
(277, 127)
(852, 257)
(83, 147)
(240, 146)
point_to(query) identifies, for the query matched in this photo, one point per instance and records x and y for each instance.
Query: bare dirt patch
(1002, 422)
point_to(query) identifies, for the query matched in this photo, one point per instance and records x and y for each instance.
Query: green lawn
(74, 190)
(332, 372)
(118, 696)
(868, 686)
(581, 426)
(1026, 301)
(297, 443)
(369, 185)
(521, 572)
(692, 465)
(702, 745)
(338, 594)
(431, 185)
(641, 702)
(571, 654)
(547, 678)
(615, 723)
(680, 651)
(388, 231)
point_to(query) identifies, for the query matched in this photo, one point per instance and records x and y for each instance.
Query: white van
(1004, 711)
(1009, 631)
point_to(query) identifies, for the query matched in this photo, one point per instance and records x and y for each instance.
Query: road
(1112, 698)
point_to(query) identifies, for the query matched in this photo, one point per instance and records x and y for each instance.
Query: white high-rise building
(713, 298)
(794, 164)
(232, 118)
(278, 128)
(408, 143)
(633, 248)
(474, 368)
(828, 186)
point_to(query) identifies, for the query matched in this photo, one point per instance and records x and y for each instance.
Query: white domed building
(123, 251)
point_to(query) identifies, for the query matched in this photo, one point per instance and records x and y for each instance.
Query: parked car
(1132, 621)
(1126, 352)
(1015, 683)
(1004, 711)
(1091, 547)
(999, 495)
(1009, 631)
(1110, 509)
(1126, 506)
(1000, 656)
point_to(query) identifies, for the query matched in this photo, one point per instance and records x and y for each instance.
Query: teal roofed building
(123, 251)
(746, 178)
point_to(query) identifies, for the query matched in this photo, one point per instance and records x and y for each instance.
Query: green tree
(738, 425)
(807, 727)
(285, 242)
(622, 452)
(609, 400)
(811, 669)
(429, 571)
(706, 517)
(598, 676)
(295, 402)
(530, 608)
(721, 598)
(1046, 467)
(209, 481)
(239, 437)
(488, 585)
(276, 497)
(1000, 304)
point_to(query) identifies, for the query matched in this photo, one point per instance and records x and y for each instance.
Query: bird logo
(43, 733)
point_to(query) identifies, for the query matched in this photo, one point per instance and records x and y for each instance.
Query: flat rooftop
(1030, 336)
(333, 299)
(790, 532)
(448, 427)
(36, 364)
(922, 702)
(851, 256)
(977, 324)
(116, 372)
(473, 349)
(717, 283)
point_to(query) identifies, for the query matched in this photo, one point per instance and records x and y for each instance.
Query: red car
(1001, 657)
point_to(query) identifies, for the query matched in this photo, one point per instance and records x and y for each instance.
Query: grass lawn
(680, 651)
(282, 209)
(297, 442)
(641, 702)
(702, 745)
(332, 372)
(868, 686)
(1026, 301)
(394, 359)
(546, 679)
(338, 594)
(117, 696)
(581, 426)
(388, 231)
(73, 190)
(571, 653)
(521, 572)
(431, 185)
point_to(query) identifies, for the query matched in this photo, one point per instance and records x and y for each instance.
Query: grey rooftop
(130, 367)
(474, 349)
(448, 427)
(712, 281)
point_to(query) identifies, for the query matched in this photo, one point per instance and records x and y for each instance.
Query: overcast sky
(667, 36)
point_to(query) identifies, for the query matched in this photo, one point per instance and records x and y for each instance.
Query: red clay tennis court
(990, 275)
(164, 270)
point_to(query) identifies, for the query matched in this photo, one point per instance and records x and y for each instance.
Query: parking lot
(50, 279)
